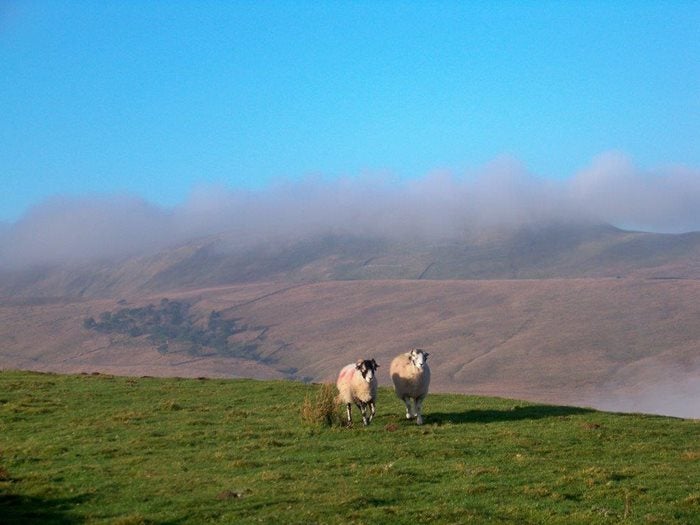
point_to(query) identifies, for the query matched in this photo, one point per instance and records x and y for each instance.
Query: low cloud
(75, 229)
(441, 204)
(677, 397)
(614, 190)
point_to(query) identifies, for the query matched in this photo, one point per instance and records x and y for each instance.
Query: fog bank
(440, 204)
(678, 398)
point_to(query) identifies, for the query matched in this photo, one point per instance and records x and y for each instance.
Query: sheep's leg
(409, 411)
(419, 409)
(365, 418)
(372, 410)
(348, 408)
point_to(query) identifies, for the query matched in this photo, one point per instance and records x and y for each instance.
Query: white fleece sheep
(411, 376)
(357, 383)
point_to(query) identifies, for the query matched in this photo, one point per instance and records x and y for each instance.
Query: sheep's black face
(368, 368)
(419, 358)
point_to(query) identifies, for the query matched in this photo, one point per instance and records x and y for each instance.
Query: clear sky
(155, 99)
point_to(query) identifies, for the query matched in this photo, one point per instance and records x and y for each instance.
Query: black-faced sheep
(357, 383)
(411, 376)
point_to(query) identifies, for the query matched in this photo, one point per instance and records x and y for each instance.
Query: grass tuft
(134, 519)
(322, 409)
(171, 405)
(232, 494)
(4, 475)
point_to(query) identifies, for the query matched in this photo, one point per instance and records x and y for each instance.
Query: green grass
(102, 449)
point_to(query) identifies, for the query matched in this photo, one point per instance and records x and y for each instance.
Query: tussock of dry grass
(323, 409)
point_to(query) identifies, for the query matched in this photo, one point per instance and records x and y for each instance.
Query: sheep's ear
(375, 364)
(426, 354)
(358, 365)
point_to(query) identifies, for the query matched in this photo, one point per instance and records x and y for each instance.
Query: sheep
(411, 376)
(357, 383)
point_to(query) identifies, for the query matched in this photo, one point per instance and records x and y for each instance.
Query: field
(105, 449)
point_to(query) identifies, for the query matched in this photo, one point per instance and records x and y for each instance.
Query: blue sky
(158, 99)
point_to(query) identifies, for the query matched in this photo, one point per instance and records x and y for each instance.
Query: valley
(586, 342)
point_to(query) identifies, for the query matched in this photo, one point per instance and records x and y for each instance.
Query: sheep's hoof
(419, 420)
(365, 421)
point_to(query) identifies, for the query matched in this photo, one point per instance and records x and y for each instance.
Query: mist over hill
(519, 287)
(498, 198)
(535, 251)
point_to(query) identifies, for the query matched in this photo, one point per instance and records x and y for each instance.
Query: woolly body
(354, 387)
(411, 381)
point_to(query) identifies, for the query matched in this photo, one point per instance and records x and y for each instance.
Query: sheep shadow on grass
(516, 413)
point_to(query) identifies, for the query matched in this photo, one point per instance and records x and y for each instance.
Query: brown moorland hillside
(541, 251)
(579, 341)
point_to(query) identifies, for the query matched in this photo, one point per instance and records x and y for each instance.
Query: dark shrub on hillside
(172, 323)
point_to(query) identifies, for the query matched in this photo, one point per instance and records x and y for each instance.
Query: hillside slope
(533, 252)
(578, 341)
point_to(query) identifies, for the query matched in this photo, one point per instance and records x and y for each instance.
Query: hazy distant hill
(619, 343)
(561, 312)
(533, 252)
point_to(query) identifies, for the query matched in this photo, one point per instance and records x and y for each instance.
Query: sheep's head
(418, 358)
(368, 368)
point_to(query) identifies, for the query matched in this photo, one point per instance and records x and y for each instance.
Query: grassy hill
(103, 449)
